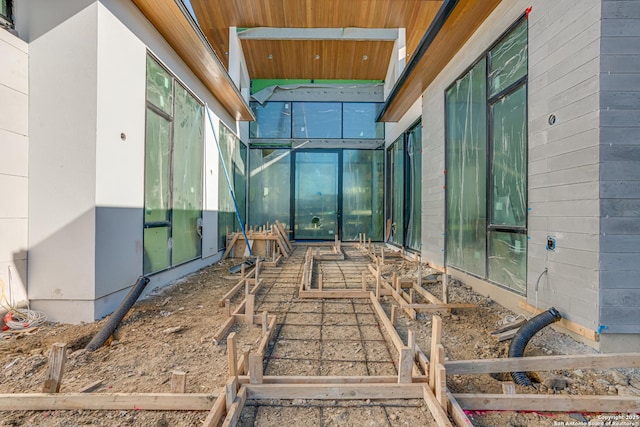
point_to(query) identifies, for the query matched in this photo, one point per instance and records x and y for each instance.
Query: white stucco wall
(14, 165)
(88, 116)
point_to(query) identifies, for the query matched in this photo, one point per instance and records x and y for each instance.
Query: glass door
(316, 208)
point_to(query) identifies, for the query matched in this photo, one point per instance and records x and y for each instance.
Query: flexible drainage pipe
(101, 337)
(524, 334)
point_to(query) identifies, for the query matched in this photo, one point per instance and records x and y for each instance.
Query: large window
(486, 163)
(173, 172)
(405, 188)
(234, 155)
(6, 12)
(316, 120)
(269, 186)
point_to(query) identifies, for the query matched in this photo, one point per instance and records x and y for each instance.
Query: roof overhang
(452, 27)
(177, 27)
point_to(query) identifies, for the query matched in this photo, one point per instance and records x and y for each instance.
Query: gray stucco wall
(620, 167)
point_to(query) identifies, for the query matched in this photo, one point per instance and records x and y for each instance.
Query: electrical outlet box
(551, 243)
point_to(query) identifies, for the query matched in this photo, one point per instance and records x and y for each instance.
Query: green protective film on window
(414, 188)
(227, 218)
(362, 194)
(156, 249)
(187, 177)
(508, 260)
(509, 159)
(159, 86)
(397, 191)
(157, 188)
(240, 182)
(508, 59)
(269, 186)
(466, 151)
(273, 120)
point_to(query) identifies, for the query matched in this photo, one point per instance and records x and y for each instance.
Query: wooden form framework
(418, 376)
(269, 242)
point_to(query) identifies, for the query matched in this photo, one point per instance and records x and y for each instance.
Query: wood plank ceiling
(315, 59)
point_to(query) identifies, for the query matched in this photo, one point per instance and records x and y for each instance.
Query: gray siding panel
(620, 167)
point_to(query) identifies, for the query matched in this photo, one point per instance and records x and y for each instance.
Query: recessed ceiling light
(316, 57)
(365, 57)
(269, 56)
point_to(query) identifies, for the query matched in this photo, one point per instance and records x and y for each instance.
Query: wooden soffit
(172, 23)
(328, 58)
(442, 45)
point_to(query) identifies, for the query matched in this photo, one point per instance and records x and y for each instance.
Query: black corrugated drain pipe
(112, 323)
(524, 334)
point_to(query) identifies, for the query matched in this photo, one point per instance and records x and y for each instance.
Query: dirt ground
(146, 348)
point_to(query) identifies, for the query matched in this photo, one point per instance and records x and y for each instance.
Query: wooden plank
(216, 413)
(224, 329)
(235, 288)
(335, 391)
(506, 335)
(285, 379)
(548, 403)
(434, 307)
(457, 413)
(508, 387)
(249, 308)
(55, 369)
(106, 401)
(232, 354)
(334, 294)
(436, 337)
(233, 415)
(266, 337)
(395, 338)
(178, 382)
(436, 410)
(441, 386)
(544, 363)
(284, 250)
(91, 387)
(567, 324)
(405, 365)
(255, 368)
(509, 326)
(230, 246)
(230, 392)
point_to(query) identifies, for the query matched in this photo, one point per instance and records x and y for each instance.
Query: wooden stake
(255, 368)
(265, 322)
(378, 279)
(55, 370)
(231, 390)
(364, 281)
(178, 382)
(227, 305)
(411, 339)
(405, 365)
(382, 255)
(249, 307)
(441, 386)
(370, 245)
(436, 337)
(232, 353)
(412, 294)
(394, 282)
(445, 288)
(320, 281)
(419, 274)
(393, 315)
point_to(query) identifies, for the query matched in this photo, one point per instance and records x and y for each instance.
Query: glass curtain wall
(396, 195)
(234, 158)
(486, 145)
(362, 194)
(466, 164)
(173, 172)
(414, 188)
(269, 186)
